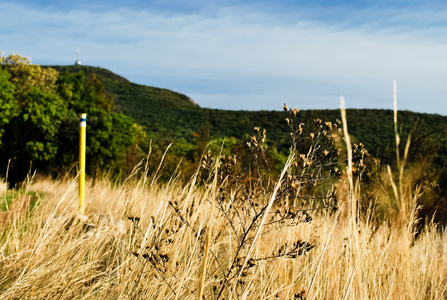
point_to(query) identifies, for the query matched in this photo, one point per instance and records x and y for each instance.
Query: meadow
(309, 232)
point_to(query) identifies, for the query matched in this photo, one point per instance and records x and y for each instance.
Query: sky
(248, 55)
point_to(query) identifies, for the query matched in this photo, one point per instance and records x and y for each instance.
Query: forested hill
(40, 108)
(165, 114)
(169, 116)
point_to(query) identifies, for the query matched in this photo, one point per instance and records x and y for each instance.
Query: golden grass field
(143, 239)
(54, 253)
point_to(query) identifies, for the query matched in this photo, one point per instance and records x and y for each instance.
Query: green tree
(31, 134)
(108, 134)
(25, 75)
(8, 106)
(39, 121)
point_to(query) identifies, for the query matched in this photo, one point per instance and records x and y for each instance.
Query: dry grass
(145, 240)
(55, 254)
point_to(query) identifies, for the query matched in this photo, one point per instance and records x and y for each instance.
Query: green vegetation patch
(6, 199)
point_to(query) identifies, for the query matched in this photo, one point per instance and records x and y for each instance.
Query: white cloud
(242, 58)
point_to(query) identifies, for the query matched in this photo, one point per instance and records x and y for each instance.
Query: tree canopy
(39, 121)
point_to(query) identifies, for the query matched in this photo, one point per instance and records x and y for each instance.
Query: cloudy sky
(248, 55)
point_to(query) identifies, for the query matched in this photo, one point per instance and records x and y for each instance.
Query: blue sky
(248, 55)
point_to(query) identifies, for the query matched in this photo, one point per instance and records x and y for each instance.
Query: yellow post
(82, 129)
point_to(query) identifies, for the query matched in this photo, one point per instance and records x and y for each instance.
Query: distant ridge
(169, 116)
(107, 75)
(89, 70)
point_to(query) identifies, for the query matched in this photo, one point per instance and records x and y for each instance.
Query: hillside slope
(162, 112)
(170, 116)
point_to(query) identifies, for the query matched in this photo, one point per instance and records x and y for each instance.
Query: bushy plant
(39, 122)
(250, 199)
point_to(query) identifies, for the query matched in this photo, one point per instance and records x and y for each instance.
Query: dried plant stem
(396, 130)
(269, 206)
(399, 193)
(353, 200)
(309, 289)
(353, 196)
(399, 164)
(6, 185)
(348, 290)
(208, 235)
(160, 165)
(393, 185)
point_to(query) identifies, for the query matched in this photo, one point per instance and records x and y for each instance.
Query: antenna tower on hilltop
(78, 62)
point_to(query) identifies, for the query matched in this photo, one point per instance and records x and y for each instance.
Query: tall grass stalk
(209, 224)
(6, 185)
(353, 196)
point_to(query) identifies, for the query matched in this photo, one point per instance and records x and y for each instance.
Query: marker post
(82, 139)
